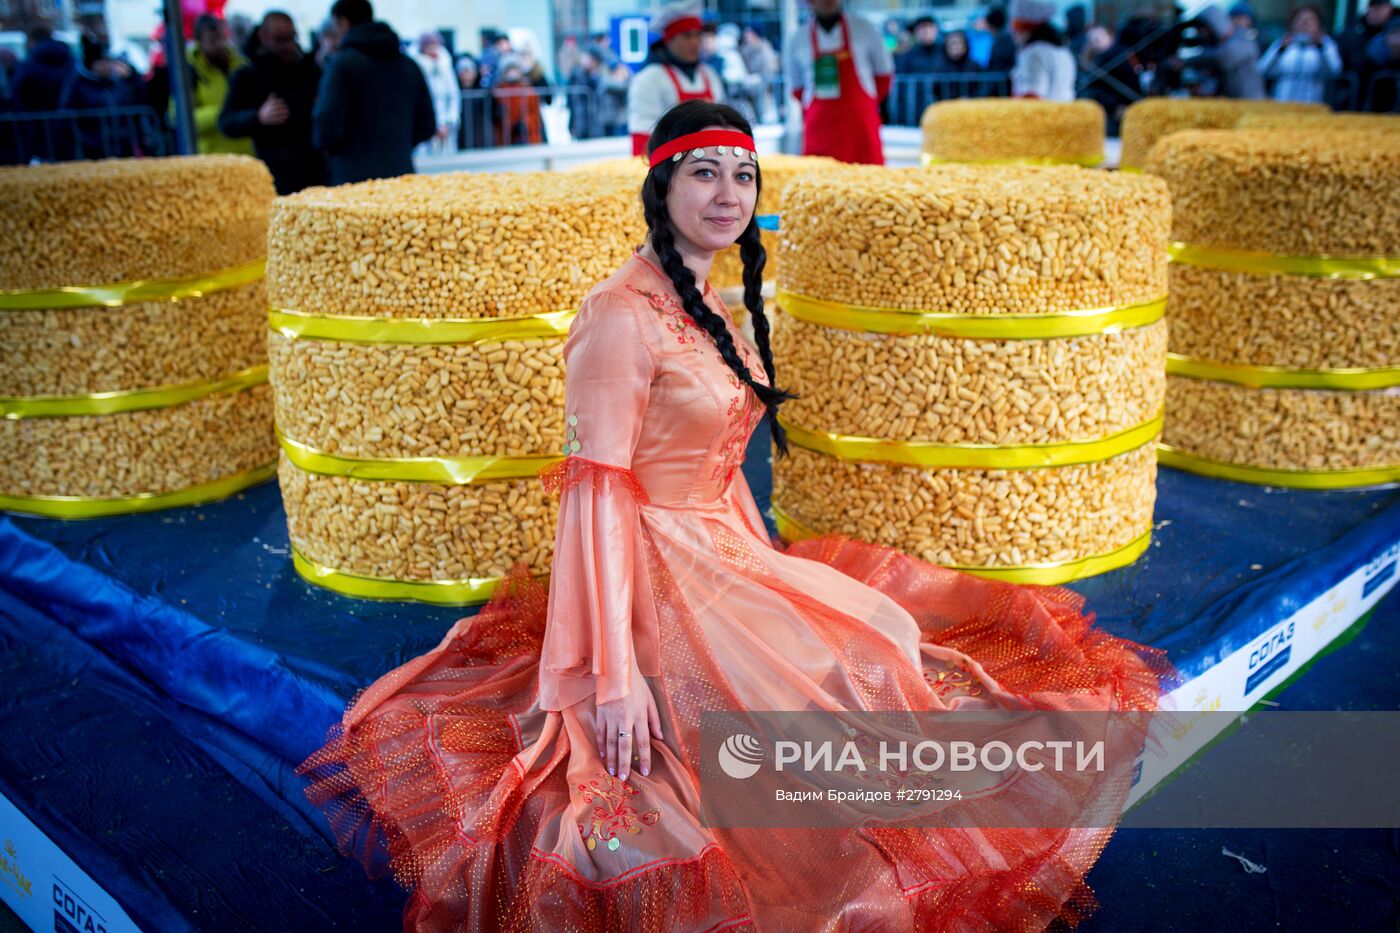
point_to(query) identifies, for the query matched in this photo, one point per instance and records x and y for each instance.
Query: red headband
(684, 24)
(700, 140)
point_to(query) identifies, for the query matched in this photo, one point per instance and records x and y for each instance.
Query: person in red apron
(674, 73)
(839, 75)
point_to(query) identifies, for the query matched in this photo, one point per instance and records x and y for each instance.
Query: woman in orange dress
(540, 768)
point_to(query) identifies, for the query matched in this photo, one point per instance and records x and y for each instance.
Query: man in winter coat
(38, 83)
(271, 100)
(586, 107)
(1003, 52)
(1384, 55)
(1235, 55)
(1374, 22)
(373, 105)
(924, 57)
(104, 83)
(40, 78)
(212, 59)
(1357, 41)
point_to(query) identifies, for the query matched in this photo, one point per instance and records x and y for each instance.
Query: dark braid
(755, 257)
(658, 220)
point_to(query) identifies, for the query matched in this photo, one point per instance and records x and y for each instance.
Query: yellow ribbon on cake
(95, 507)
(972, 456)
(1264, 263)
(438, 592)
(1345, 478)
(123, 400)
(1078, 323)
(1280, 377)
(353, 329)
(452, 471)
(116, 294)
(1046, 574)
(929, 158)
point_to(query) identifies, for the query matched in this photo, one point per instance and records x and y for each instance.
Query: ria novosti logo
(740, 756)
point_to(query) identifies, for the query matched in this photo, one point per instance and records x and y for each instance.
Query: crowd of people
(1216, 53)
(1226, 53)
(264, 92)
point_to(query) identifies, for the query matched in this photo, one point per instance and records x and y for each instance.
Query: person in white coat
(1303, 61)
(673, 73)
(839, 70)
(1045, 67)
(445, 91)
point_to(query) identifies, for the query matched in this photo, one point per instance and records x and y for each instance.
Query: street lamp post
(792, 122)
(181, 93)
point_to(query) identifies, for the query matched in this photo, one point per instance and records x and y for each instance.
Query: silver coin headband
(695, 144)
(699, 153)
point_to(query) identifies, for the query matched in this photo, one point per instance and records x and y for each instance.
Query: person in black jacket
(1003, 43)
(1137, 64)
(923, 58)
(40, 78)
(271, 101)
(964, 74)
(373, 105)
(38, 82)
(105, 83)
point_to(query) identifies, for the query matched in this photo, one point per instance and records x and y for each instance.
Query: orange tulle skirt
(498, 815)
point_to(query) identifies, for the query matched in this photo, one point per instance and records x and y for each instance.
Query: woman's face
(955, 46)
(712, 197)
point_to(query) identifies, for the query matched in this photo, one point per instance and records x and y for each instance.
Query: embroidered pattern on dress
(672, 314)
(613, 814)
(743, 418)
(954, 678)
(744, 408)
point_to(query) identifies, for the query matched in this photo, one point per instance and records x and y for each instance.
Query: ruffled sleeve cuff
(598, 626)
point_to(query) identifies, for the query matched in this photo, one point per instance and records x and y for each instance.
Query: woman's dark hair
(691, 117)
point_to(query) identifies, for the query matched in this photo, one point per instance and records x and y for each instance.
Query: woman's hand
(635, 714)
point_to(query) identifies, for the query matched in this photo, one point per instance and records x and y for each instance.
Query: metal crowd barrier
(911, 94)
(1340, 92)
(1383, 92)
(540, 116)
(522, 115)
(64, 135)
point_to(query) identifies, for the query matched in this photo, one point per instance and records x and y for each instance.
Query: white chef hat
(1031, 12)
(676, 19)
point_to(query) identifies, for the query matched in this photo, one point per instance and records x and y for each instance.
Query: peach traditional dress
(472, 772)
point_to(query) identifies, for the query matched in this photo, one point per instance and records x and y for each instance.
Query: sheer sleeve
(601, 617)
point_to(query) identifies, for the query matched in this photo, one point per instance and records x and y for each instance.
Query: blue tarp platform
(165, 673)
